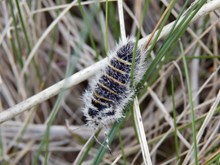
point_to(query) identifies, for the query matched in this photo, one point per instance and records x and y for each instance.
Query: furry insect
(109, 92)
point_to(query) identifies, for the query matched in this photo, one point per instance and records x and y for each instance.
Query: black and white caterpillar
(109, 92)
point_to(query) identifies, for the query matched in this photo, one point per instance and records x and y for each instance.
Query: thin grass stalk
(122, 147)
(18, 52)
(87, 21)
(44, 35)
(121, 20)
(191, 106)
(174, 123)
(27, 40)
(102, 150)
(169, 44)
(85, 150)
(146, 5)
(70, 69)
(77, 78)
(141, 133)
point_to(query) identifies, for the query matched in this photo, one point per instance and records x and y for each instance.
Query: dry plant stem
(121, 20)
(210, 6)
(116, 160)
(7, 26)
(136, 157)
(202, 129)
(161, 141)
(197, 39)
(86, 73)
(199, 91)
(12, 128)
(141, 133)
(127, 9)
(210, 140)
(44, 35)
(216, 153)
(181, 81)
(77, 160)
(5, 92)
(66, 5)
(157, 25)
(167, 116)
(23, 152)
(51, 91)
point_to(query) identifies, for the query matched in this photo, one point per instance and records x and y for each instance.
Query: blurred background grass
(82, 37)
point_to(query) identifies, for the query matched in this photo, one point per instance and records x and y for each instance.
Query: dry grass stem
(50, 51)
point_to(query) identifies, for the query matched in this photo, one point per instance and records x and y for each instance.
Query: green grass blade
(189, 89)
(27, 40)
(102, 150)
(23, 26)
(146, 5)
(122, 146)
(18, 52)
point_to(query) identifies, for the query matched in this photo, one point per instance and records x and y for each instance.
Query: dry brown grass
(60, 42)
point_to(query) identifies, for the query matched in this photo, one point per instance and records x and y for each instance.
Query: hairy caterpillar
(109, 92)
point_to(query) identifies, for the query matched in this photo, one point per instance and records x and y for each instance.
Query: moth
(110, 91)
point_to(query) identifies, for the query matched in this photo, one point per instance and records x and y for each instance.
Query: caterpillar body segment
(110, 91)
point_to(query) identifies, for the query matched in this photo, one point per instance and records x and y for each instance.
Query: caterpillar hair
(110, 91)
